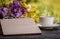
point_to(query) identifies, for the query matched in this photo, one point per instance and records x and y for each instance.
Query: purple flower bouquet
(15, 10)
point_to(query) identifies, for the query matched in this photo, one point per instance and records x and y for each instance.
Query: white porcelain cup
(46, 21)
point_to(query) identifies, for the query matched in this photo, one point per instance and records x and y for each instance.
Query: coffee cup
(46, 21)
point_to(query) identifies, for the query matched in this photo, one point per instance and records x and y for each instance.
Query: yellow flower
(33, 8)
(34, 16)
(24, 4)
(32, 12)
(37, 20)
(24, 1)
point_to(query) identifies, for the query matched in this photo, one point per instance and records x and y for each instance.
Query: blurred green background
(47, 8)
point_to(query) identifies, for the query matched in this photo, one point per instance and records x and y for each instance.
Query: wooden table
(46, 34)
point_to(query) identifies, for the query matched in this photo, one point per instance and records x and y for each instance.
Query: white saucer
(53, 25)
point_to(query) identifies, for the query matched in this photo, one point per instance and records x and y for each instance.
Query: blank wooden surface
(19, 26)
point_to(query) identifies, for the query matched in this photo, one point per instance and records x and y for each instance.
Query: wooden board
(19, 26)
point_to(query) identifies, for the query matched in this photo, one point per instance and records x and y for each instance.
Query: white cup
(46, 21)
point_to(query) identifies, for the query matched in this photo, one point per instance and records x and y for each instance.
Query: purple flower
(15, 9)
(24, 10)
(3, 11)
(17, 3)
(12, 15)
(19, 12)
